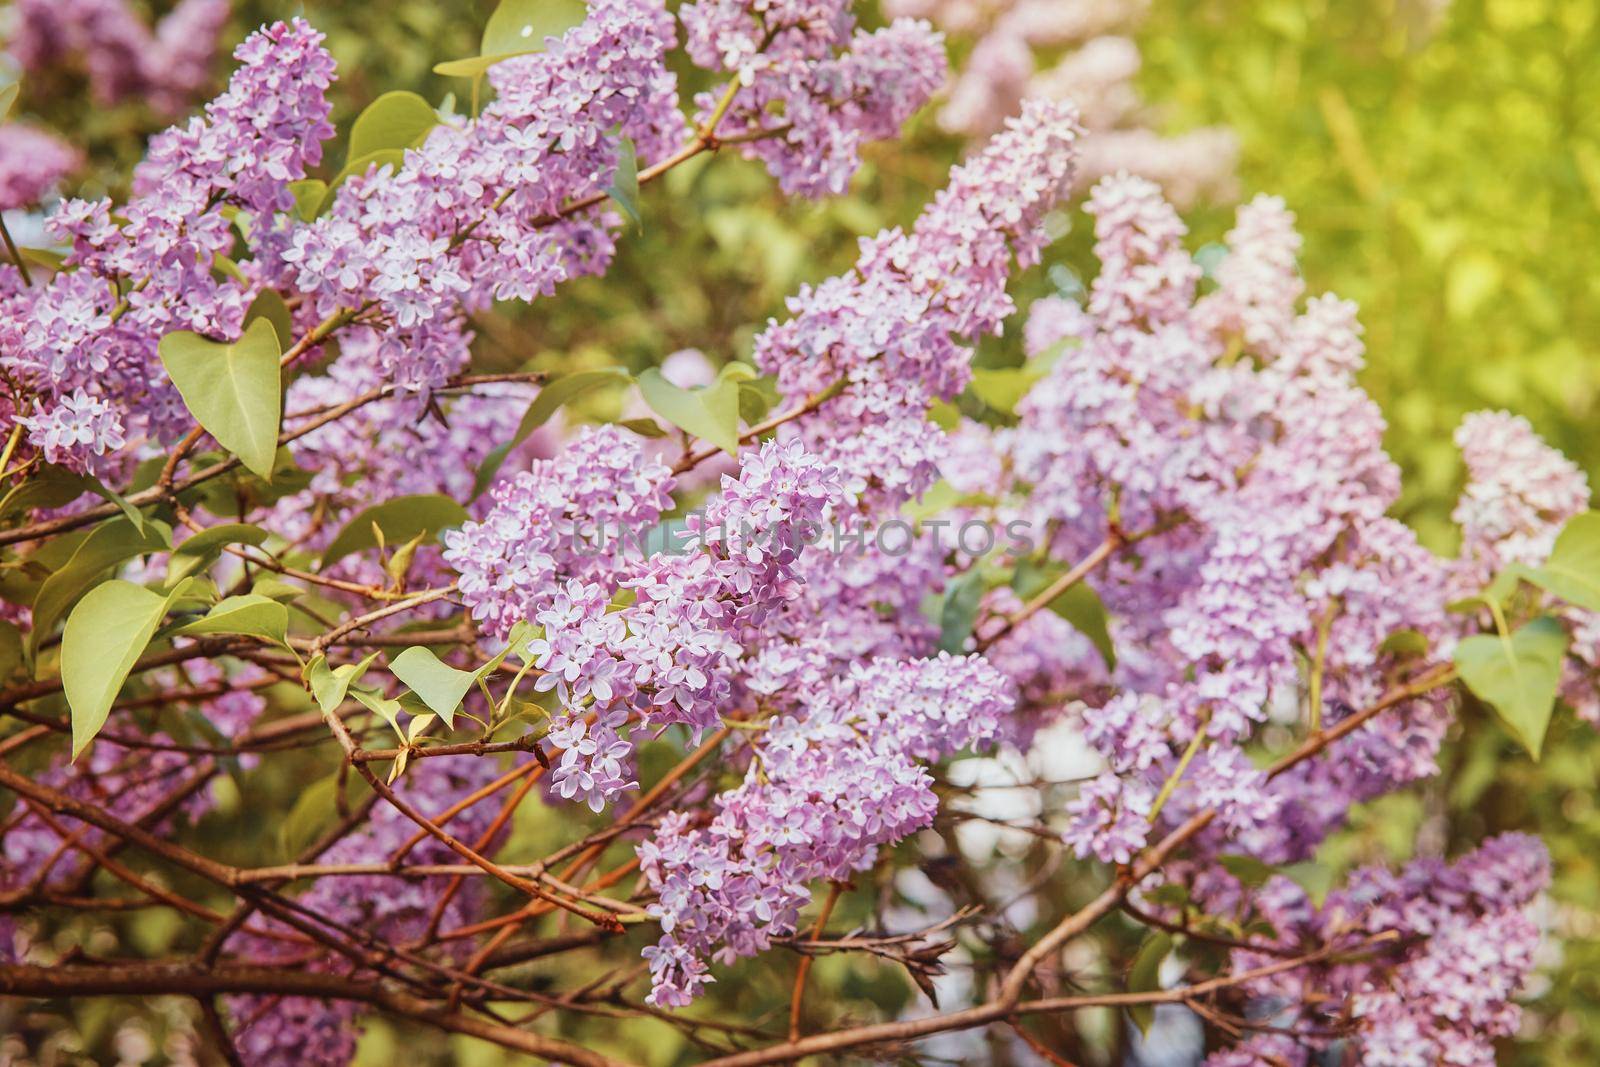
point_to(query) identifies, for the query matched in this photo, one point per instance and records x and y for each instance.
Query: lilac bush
(260, 500)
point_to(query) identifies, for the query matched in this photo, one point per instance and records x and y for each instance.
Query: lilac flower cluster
(889, 329)
(1455, 943)
(82, 348)
(32, 163)
(817, 92)
(121, 55)
(828, 785)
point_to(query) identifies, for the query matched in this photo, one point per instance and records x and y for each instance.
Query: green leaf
(711, 414)
(958, 610)
(558, 392)
(517, 28)
(1573, 570)
(233, 390)
(309, 195)
(757, 397)
(105, 635)
(441, 686)
(624, 187)
(203, 549)
(1144, 976)
(11, 656)
(397, 119)
(1405, 643)
(107, 545)
(8, 98)
(329, 685)
(1001, 388)
(385, 707)
(1079, 604)
(269, 305)
(399, 519)
(1517, 675)
(643, 427)
(251, 614)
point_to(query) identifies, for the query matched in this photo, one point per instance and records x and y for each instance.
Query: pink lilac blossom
(117, 50)
(32, 164)
(815, 92)
(1046, 50)
(833, 783)
(892, 329)
(1462, 946)
(84, 345)
(472, 215)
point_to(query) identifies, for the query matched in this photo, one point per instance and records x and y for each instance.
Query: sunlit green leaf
(516, 28)
(441, 686)
(107, 545)
(1517, 675)
(1573, 570)
(233, 390)
(399, 519)
(105, 636)
(397, 119)
(252, 615)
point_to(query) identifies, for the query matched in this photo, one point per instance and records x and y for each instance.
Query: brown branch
(126, 978)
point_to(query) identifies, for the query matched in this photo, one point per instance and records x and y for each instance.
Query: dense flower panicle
(1519, 493)
(1462, 945)
(811, 92)
(890, 330)
(32, 164)
(574, 516)
(834, 782)
(84, 345)
(1230, 433)
(118, 51)
(471, 215)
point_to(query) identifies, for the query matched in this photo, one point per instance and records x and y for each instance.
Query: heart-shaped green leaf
(711, 413)
(1573, 570)
(399, 519)
(105, 636)
(1517, 675)
(233, 390)
(251, 614)
(517, 28)
(397, 119)
(107, 545)
(441, 686)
